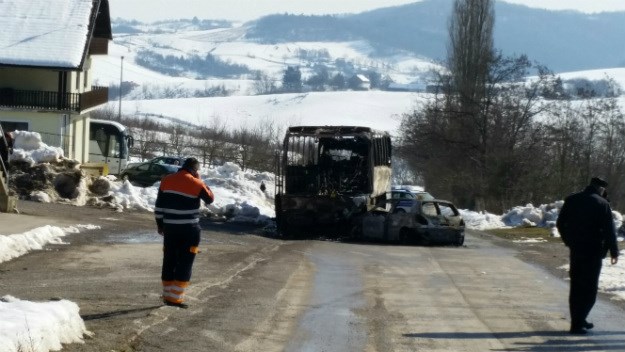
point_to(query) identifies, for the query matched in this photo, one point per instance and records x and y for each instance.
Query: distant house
(45, 68)
(359, 82)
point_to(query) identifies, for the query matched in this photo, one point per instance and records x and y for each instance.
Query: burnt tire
(459, 241)
(405, 236)
(424, 239)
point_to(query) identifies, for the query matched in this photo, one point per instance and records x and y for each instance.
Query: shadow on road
(118, 313)
(561, 340)
(233, 228)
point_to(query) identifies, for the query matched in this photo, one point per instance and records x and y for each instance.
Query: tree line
(213, 144)
(202, 66)
(490, 138)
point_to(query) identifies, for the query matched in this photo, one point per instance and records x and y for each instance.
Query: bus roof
(119, 126)
(320, 130)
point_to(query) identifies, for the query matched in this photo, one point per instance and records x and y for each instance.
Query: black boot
(578, 330)
(179, 305)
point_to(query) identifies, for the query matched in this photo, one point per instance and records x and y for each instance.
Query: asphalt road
(255, 293)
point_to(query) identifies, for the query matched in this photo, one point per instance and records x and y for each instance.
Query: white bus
(109, 143)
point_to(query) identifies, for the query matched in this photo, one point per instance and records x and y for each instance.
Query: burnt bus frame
(305, 204)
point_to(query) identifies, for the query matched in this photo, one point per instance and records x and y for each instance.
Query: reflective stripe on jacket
(178, 200)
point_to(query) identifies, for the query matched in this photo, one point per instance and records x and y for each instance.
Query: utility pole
(121, 77)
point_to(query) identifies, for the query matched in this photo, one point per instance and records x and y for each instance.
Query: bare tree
(212, 139)
(474, 141)
(178, 139)
(470, 51)
(146, 138)
(263, 84)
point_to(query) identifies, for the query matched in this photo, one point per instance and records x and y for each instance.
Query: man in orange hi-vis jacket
(177, 213)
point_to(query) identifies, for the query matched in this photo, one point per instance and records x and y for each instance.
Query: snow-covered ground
(37, 326)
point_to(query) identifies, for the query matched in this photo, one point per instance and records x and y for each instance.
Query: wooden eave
(102, 27)
(51, 68)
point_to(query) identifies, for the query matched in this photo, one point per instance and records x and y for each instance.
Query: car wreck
(424, 222)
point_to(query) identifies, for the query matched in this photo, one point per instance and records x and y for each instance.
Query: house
(45, 68)
(359, 82)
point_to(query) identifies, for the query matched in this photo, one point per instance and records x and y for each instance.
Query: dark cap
(189, 163)
(598, 182)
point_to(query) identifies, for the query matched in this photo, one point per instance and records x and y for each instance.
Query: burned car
(406, 198)
(424, 222)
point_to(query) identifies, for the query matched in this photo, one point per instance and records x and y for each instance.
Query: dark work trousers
(584, 272)
(180, 246)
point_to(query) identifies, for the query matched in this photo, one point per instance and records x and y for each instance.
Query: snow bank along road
(252, 293)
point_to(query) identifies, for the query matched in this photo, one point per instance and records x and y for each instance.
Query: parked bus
(327, 176)
(109, 143)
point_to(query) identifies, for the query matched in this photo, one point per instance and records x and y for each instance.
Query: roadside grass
(522, 233)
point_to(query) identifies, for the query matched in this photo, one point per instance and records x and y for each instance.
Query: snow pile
(127, 196)
(481, 220)
(39, 326)
(13, 246)
(529, 215)
(544, 215)
(238, 194)
(28, 147)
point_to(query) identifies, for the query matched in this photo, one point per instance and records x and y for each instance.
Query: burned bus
(327, 176)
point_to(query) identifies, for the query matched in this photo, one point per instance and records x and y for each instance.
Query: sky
(245, 10)
(236, 192)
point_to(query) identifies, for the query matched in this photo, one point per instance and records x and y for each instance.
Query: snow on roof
(362, 78)
(48, 33)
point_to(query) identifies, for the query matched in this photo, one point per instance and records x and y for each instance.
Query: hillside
(561, 40)
(165, 76)
(149, 54)
(375, 109)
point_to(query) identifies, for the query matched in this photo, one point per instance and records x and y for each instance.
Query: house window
(77, 80)
(10, 126)
(85, 80)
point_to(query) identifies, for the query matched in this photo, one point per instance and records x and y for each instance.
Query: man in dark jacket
(587, 228)
(177, 213)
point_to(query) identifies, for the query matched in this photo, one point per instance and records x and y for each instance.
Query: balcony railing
(45, 100)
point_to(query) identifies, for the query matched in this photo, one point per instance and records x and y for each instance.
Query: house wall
(80, 137)
(29, 79)
(69, 132)
(80, 81)
(45, 80)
